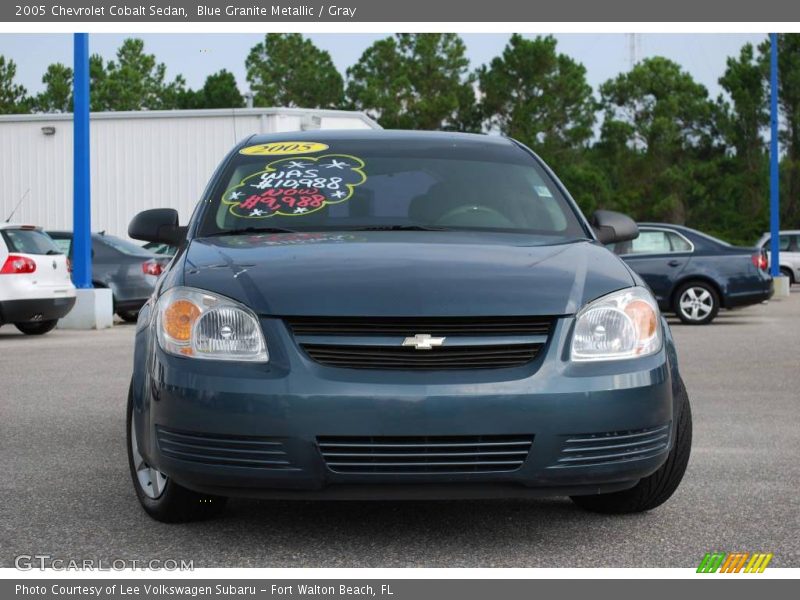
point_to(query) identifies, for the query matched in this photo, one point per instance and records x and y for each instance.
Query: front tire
(39, 328)
(655, 489)
(129, 316)
(696, 303)
(162, 498)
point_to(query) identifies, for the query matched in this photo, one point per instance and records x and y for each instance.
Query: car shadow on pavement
(386, 533)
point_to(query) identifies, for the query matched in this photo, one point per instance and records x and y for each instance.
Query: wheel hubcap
(696, 303)
(151, 481)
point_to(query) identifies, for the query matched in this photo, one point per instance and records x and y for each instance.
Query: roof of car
(653, 224)
(383, 135)
(681, 228)
(68, 232)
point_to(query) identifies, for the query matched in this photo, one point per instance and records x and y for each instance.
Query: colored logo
(277, 148)
(297, 186)
(734, 562)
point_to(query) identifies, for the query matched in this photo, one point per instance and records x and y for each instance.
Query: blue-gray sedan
(399, 315)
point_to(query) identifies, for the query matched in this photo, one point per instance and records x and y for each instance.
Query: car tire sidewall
(149, 504)
(655, 489)
(129, 316)
(176, 504)
(714, 298)
(37, 328)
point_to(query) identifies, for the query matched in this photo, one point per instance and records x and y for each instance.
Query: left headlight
(199, 324)
(623, 324)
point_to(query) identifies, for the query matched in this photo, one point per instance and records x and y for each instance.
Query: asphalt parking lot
(66, 490)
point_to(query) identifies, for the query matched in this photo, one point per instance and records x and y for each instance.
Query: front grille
(408, 358)
(429, 454)
(407, 326)
(223, 450)
(586, 450)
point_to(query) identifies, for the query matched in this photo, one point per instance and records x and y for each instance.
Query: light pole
(780, 282)
(94, 308)
(81, 203)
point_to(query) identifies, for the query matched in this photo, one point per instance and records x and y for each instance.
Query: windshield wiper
(397, 228)
(244, 230)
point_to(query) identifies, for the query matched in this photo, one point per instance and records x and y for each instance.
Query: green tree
(287, 69)
(13, 96)
(97, 84)
(658, 141)
(540, 97)
(134, 81)
(415, 81)
(57, 95)
(789, 101)
(740, 207)
(219, 91)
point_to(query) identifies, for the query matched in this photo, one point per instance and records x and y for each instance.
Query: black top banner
(406, 10)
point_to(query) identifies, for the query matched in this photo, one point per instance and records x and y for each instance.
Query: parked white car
(35, 285)
(789, 256)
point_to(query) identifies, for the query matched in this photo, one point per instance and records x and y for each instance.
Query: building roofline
(194, 113)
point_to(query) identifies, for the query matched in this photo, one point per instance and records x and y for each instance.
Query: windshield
(360, 184)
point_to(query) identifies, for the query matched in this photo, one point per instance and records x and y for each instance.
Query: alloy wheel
(696, 303)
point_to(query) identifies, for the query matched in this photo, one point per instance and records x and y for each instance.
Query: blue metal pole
(774, 201)
(81, 207)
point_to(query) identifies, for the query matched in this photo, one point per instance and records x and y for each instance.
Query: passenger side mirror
(611, 227)
(157, 225)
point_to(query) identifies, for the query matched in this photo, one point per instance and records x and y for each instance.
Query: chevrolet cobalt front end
(399, 315)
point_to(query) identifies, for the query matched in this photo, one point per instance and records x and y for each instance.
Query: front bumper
(35, 310)
(291, 402)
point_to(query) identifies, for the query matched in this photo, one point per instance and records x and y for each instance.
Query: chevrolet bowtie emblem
(423, 341)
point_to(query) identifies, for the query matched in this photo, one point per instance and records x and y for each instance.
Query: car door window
(784, 243)
(678, 243)
(651, 242)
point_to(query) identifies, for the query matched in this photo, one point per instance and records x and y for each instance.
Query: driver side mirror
(611, 227)
(157, 225)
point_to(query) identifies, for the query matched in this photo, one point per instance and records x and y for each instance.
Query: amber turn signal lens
(179, 318)
(643, 317)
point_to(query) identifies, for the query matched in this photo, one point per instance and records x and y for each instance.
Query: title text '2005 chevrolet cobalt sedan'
(399, 315)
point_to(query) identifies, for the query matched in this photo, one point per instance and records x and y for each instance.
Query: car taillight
(16, 265)
(152, 267)
(760, 261)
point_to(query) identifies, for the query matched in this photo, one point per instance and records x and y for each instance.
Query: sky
(195, 56)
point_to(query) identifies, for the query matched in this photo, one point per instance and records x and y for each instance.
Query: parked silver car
(789, 256)
(129, 270)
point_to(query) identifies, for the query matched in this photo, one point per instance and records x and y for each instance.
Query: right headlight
(199, 324)
(623, 324)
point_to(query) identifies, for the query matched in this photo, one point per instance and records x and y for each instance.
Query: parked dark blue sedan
(693, 274)
(399, 315)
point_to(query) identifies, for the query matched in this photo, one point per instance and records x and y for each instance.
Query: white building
(140, 160)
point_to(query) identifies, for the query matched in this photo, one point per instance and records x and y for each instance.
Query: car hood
(403, 273)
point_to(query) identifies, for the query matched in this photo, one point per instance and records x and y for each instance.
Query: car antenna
(21, 200)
